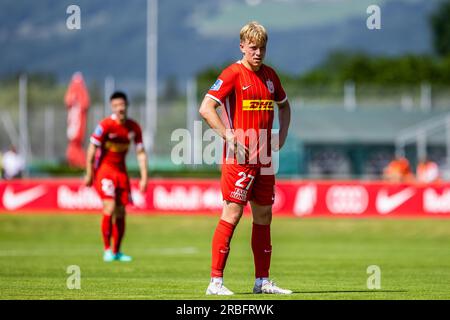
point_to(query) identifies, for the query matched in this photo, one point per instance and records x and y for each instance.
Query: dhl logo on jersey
(257, 105)
(116, 146)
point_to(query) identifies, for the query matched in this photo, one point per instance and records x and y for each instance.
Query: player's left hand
(143, 185)
(275, 142)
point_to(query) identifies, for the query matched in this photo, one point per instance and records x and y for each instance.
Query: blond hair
(254, 33)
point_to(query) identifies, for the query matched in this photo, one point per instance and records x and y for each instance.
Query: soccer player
(247, 91)
(398, 170)
(427, 171)
(112, 138)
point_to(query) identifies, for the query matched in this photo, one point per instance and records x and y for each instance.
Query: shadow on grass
(334, 291)
(351, 291)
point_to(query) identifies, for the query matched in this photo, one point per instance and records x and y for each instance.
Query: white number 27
(241, 180)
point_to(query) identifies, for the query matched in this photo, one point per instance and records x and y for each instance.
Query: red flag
(77, 102)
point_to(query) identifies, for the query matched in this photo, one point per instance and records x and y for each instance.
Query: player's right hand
(88, 180)
(237, 148)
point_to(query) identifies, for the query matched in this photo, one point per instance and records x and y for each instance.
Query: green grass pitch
(316, 258)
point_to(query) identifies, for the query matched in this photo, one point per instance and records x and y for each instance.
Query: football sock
(106, 230)
(262, 249)
(217, 280)
(221, 247)
(118, 232)
(259, 281)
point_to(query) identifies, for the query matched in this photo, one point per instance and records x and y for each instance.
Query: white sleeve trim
(282, 101)
(139, 146)
(214, 98)
(95, 142)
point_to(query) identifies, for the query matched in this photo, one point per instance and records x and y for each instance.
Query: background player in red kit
(247, 91)
(112, 137)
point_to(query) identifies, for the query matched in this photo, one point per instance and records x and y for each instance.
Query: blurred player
(427, 171)
(112, 137)
(247, 91)
(398, 170)
(13, 164)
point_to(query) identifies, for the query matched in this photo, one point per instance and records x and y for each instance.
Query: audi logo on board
(347, 199)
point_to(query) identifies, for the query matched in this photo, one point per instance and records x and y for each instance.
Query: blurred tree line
(364, 69)
(440, 25)
(44, 90)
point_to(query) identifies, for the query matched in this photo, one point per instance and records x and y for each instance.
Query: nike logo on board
(387, 203)
(14, 200)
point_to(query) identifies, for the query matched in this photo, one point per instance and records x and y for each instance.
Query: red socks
(221, 247)
(262, 249)
(261, 246)
(118, 232)
(107, 230)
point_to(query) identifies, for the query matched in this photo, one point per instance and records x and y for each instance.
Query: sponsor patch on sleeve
(216, 86)
(98, 130)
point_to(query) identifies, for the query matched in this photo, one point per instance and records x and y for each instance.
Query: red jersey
(248, 99)
(114, 139)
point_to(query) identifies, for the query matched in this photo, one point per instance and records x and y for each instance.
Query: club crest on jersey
(216, 86)
(270, 86)
(98, 130)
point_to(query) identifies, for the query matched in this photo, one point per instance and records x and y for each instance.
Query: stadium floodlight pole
(11, 131)
(151, 86)
(349, 96)
(23, 120)
(400, 147)
(109, 89)
(191, 114)
(191, 88)
(425, 97)
(447, 141)
(49, 142)
(421, 142)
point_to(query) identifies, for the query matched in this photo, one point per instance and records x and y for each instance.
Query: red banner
(295, 198)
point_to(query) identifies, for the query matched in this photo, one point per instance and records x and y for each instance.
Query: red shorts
(242, 183)
(112, 183)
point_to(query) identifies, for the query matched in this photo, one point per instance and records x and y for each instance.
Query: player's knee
(109, 207)
(262, 214)
(262, 219)
(234, 219)
(119, 212)
(108, 213)
(232, 212)
(231, 217)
